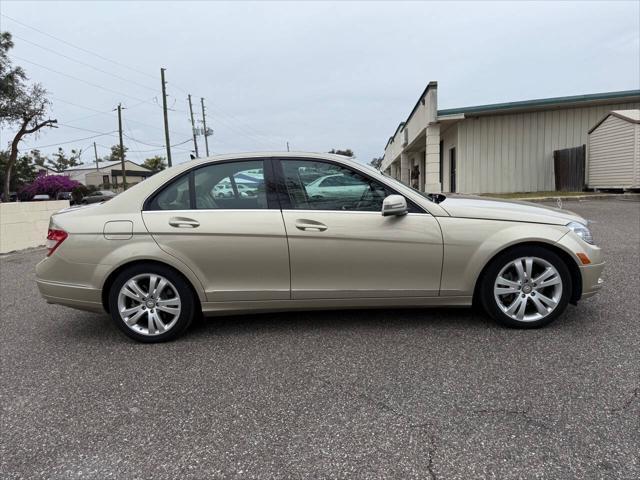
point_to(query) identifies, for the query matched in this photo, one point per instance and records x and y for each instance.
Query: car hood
(509, 210)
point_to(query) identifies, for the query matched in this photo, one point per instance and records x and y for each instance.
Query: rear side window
(229, 185)
(237, 185)
(175, 196)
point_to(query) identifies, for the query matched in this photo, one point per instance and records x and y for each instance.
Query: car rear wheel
(151, 303)
(526, 287)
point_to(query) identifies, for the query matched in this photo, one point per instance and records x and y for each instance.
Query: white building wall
(613, 155)
(514, 152)
(25, 224)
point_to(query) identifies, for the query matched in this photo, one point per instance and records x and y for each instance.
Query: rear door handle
(182, 222)
(310, 225)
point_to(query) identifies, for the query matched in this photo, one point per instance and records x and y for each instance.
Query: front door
(341, 246)
(217, 219)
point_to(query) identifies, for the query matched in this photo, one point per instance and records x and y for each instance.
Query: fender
(469, 244)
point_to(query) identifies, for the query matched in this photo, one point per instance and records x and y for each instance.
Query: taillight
(54, 239)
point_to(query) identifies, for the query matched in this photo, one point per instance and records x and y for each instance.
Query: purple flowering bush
(48, 185)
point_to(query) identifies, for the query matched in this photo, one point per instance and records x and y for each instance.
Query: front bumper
(590, 273)
(592, 281)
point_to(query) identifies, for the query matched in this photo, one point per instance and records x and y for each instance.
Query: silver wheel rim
(528, 289)
(149, 304)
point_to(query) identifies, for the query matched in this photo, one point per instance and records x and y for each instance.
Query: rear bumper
(74, 296)
(591, 279)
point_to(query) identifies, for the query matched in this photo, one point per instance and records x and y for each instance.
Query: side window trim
(285, 201)
(192, 189)
(280, 183)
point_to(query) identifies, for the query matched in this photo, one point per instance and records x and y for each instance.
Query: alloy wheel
(149, 304)
(528, 289)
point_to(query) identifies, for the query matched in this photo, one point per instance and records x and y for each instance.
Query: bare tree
(21, 105)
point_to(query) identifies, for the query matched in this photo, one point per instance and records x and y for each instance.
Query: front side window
(231, 185)
(317, 185)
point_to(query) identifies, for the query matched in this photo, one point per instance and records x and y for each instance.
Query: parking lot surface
(349, 394)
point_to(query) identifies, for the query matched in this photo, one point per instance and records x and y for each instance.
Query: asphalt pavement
(424, 394)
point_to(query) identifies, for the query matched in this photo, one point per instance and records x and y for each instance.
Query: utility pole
(193, 127)
(166, 117)
(124, 174)
(95, 152)
(204, 126)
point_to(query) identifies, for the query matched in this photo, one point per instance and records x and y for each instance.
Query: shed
(614, 151)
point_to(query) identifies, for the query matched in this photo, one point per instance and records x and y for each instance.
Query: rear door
(340, 244)
(223, 221)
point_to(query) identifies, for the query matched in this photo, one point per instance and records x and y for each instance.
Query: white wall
(613, 155)
(25, 224)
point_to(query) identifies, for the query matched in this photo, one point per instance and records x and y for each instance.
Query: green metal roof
(543, 102)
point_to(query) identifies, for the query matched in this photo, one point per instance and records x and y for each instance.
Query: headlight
(582, 231)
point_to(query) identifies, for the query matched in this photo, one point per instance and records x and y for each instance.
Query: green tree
(38, 159)
(22, 106)
(23, 171)
(376, 162)
(155, 164)
(115, 155)
(61, 161)
(347, 153)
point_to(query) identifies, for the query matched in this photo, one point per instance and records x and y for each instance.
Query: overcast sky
(318, 75)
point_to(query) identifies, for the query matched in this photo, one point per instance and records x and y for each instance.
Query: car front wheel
(151, 303)
(526, 287)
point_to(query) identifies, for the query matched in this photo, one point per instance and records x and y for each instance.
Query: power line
(71, 141)
(109, 113)
(81, 80)
(87, 64)
(240, 127)
(155, 144)
(79, 48)
(78, 128)
(134, 141)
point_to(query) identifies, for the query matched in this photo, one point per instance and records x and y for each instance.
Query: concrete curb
(633, 197)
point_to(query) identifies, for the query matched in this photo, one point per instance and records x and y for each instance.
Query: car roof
(268, 154)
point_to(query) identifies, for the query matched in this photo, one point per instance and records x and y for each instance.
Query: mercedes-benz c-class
(309, 231)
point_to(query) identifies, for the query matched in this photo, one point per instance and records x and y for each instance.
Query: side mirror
(394, 205)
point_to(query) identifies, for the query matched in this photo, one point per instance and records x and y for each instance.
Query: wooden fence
(569, 165)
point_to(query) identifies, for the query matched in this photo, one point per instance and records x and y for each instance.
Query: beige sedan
(169, 248)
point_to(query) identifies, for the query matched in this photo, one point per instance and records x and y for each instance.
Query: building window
(105, 180)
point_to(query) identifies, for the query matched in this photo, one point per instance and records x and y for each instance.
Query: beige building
(108, 175)
(506, 147)
(614, 151)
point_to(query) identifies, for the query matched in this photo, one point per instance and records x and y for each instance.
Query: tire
(147, 321)
(545, 292)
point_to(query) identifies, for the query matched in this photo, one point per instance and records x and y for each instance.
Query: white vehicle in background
(335, 185)
(225, 190)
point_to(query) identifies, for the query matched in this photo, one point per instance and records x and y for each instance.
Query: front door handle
(310, 225)
(182, 222)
